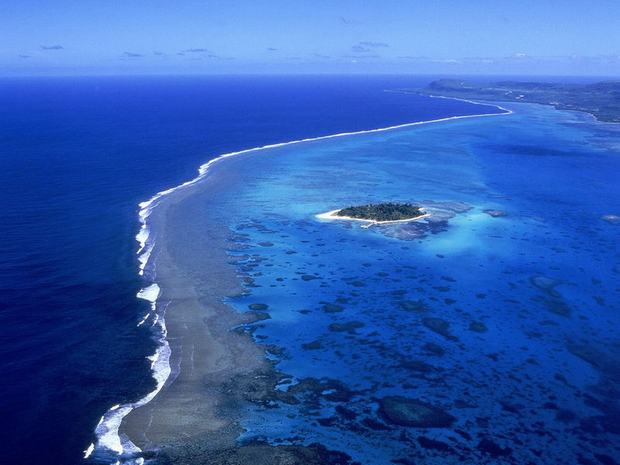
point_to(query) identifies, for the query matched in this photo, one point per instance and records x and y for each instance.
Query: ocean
(77, 156)
(486, 332)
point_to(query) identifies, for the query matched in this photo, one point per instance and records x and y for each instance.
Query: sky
(515, 37)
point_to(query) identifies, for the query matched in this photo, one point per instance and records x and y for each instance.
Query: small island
(377, 213)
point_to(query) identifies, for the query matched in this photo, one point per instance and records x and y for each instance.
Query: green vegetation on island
(601, 99)
(382, 212)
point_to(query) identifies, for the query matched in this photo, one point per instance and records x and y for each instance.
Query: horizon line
(300, 74)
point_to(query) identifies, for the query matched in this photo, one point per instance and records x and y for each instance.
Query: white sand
(333, 215)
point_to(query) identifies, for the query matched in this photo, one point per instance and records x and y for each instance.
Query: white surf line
(490, 103)
(107, 430)
(147, 206)
(483, 103)
(108, 427)
(150, 294)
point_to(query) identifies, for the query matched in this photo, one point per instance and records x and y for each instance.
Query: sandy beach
(333, 215)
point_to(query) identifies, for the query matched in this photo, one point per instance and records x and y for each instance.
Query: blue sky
(319, 36)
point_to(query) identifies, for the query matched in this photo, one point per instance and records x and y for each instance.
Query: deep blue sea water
(76, 157)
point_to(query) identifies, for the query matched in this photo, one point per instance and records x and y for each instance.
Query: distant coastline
(599, 100)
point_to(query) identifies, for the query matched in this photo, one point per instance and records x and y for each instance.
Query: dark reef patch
(417, 366)
(413, 305)
(434, 349)
(255, 453)
(349, 327)
(478, 327)
(258, 307)
(259, 388)
(493, 449)
(332, 308)
(439, 326)
(313, 389)
(314, 345)
(403, 411)
(433, 444)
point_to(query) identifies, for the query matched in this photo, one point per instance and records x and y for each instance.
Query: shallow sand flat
(215, 369)
(205, 352)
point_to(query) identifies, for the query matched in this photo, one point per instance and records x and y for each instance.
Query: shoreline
(333, 215)
(108, 436)
(489, 102)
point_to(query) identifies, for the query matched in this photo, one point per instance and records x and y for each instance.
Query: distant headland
(377, 213)
(601, 99)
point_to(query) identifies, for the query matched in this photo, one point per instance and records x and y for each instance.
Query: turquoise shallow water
(506, 324)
